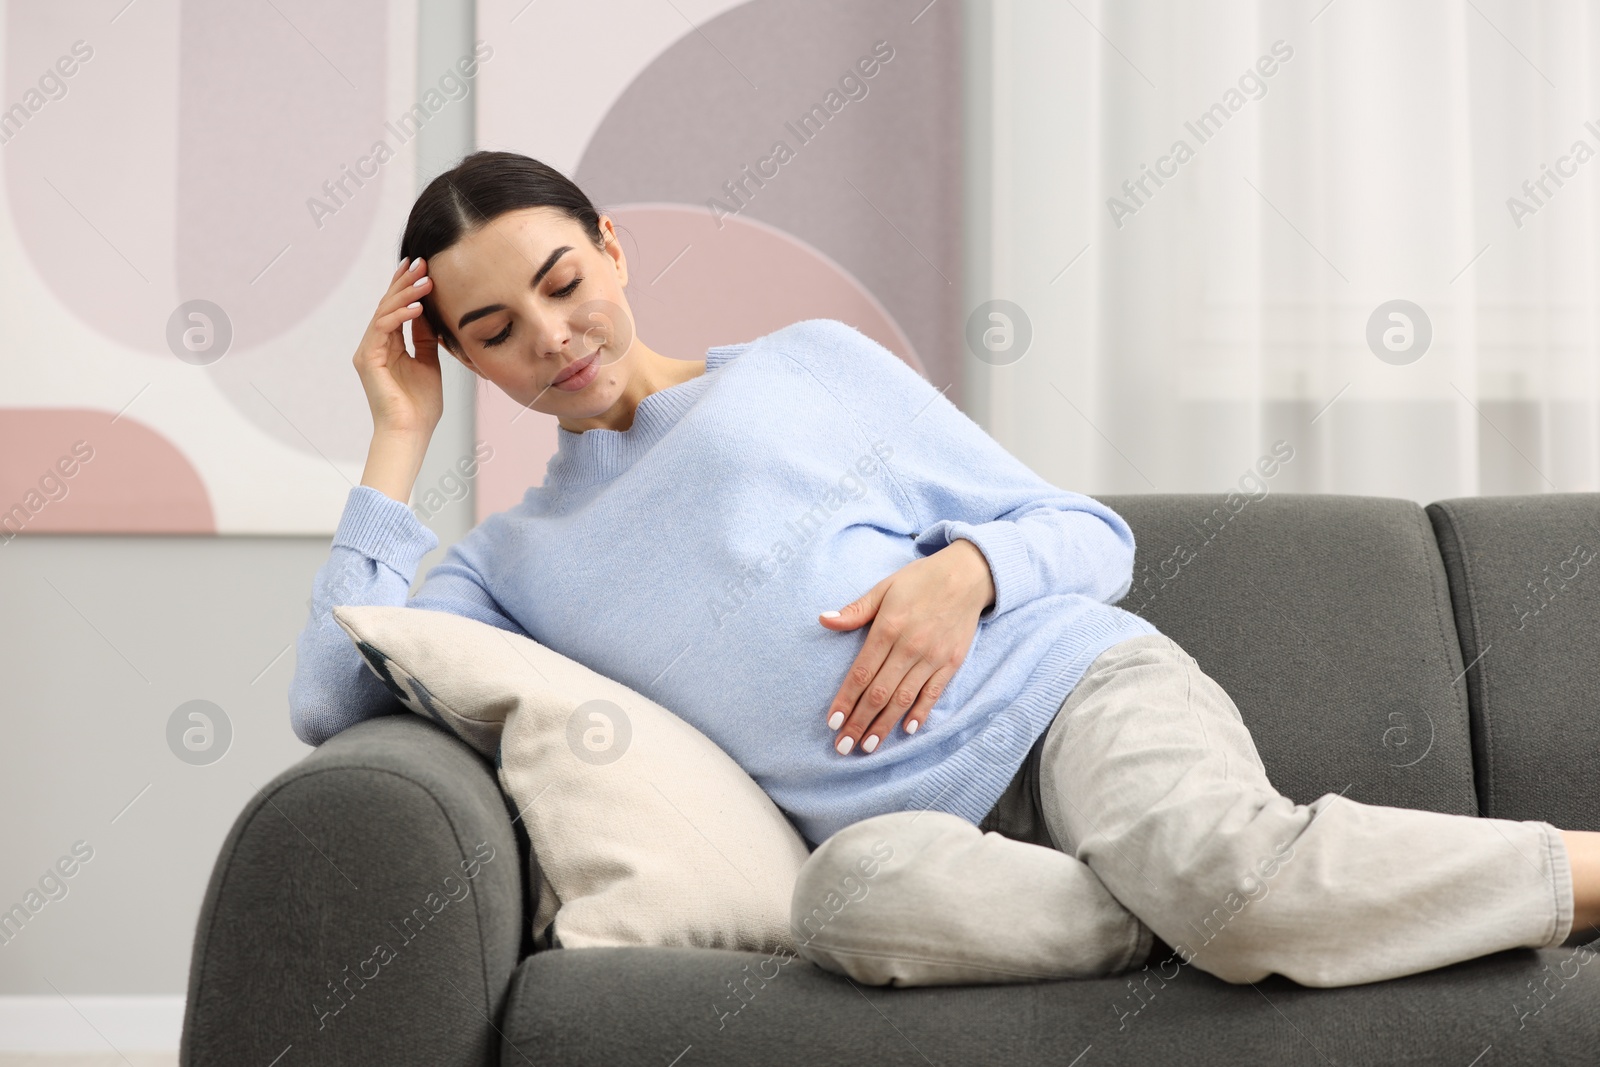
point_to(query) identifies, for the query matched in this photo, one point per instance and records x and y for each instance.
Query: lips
(576, 367)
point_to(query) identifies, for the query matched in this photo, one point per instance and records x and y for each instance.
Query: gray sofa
(1444, 658)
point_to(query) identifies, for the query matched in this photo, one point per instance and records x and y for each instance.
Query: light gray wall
(102, 637)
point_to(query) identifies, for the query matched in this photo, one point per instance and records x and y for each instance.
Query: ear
(613, 248)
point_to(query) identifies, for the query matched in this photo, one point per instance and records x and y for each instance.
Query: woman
(805, 551)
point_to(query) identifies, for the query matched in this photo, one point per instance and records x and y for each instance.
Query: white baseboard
(90, 1023)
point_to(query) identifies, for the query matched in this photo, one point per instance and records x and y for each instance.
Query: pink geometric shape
(692, 284)
(122, 203)
(67, 470)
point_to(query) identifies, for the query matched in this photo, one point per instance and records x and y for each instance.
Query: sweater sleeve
(957, 482)
(374, 557)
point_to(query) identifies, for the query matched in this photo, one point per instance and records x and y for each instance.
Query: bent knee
(927, 898)
(844, 869)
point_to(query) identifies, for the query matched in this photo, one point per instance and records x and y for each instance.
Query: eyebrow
(490, 309)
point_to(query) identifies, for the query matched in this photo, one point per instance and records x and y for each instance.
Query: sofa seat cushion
(1328, 620)
(630, 1005)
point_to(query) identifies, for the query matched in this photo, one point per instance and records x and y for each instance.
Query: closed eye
(498, 338)
(566, 290)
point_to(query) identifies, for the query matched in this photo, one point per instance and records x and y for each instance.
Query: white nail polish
(844, 746)
(911, 726)
(414, 304)
(869, 744)
(836, 720)
(414, 263)
(419, 281)
(830, 614)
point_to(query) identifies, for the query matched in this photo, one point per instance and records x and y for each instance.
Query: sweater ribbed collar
(599, 455)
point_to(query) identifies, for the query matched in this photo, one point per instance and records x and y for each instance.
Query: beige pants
(1144, 807)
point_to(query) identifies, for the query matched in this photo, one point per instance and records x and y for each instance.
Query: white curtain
(1178, 335)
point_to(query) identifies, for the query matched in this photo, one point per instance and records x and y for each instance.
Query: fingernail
(416, 261)
(870, 743)
(830, 614)
(414, 304)
(836, 720)
(911, 726)
(844, 745)
(419, 281)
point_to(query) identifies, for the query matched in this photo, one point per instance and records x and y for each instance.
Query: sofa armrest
(367, 908)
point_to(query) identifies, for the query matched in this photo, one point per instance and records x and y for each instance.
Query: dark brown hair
(479, 189)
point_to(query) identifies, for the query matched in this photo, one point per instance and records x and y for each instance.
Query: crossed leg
(1149, 776)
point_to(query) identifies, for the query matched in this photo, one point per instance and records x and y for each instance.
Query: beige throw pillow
(645, 831)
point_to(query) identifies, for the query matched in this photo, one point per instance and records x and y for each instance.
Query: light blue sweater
(689, 556)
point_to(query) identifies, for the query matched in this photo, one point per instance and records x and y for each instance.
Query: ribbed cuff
(382, 528)
(1006, 550)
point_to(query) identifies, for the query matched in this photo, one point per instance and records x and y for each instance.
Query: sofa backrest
(1524, 576)
(1328, 620)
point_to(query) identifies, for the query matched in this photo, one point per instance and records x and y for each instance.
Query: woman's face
(539, 311)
